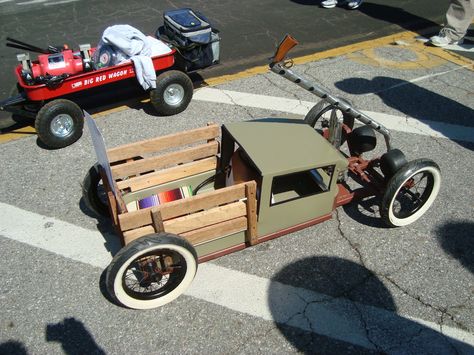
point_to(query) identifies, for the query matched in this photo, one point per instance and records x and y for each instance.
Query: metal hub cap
(62, 125)
(174, 94)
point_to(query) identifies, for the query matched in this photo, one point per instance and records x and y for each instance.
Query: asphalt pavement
(250, 30)
(348, 285)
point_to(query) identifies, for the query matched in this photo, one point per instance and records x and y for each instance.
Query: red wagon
(49, 88)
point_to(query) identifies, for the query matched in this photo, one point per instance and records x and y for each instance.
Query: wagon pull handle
(283, 48)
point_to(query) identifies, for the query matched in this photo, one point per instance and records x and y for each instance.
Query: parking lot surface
(348, 285)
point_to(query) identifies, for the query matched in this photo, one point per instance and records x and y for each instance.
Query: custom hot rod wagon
(189, 197)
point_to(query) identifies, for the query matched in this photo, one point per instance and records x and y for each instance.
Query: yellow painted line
(335, 52)
(17, 134)
(369, 45)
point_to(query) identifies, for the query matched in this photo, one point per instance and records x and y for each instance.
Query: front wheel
(59, 123)
(174, 91)
(151, 271)
(410, 192)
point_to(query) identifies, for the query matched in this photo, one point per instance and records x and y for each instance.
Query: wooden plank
(196, 236)
(173, 158)
(122, 207)
(157, 220)
(215, 231)
(251, 235)
(205, 218)
(160, 143)
(137, 233)
(169, 174)
(191, 204)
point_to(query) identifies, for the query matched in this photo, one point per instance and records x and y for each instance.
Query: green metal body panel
(220, 244)
(279, 147)
(282, 146)
(276, 148)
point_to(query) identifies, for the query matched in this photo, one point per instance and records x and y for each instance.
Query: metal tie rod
(288, 74)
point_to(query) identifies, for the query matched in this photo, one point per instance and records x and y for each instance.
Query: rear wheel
(93, 192)
(59, 123)
(410, 192)
(151, 271)
(317, 116)
(174, 91)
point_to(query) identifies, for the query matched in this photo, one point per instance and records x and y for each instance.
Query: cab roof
(279, 145)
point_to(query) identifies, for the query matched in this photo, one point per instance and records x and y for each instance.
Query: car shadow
(414, 101)
(331, 305)
(457, 239)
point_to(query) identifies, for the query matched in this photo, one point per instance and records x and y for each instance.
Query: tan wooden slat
(169, 174)
(196, 236)
(205, 218)
(137, 233)
(173, 158)
(191, 204)
(160, 143)
(251, 235)
(215, 231)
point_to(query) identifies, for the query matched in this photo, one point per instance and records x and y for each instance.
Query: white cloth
(144, 71)
(138, 47)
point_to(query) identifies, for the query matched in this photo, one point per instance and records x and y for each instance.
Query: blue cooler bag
(192, 35)
(187, 27)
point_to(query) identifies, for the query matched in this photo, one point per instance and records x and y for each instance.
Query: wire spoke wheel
(154, 275)
(413, 195)
(318, 117)
(151, 271)
(410, 192)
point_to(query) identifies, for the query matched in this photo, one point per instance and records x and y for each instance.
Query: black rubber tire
(398, 192)
(166, 245)
(53, 111)
(93, 192)
(317, 111)
(391, 162)
(164, 82)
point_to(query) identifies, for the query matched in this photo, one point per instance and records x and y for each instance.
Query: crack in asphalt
(362, 261)
(441, 310)
(246, 108)
(266, 77)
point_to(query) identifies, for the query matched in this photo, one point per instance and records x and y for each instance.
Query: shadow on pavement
(400, 17)
(73, 337)
(366, 212)
(388, 14)
(331, 305)
(413, 101)
(457, 239)
(13, 347)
